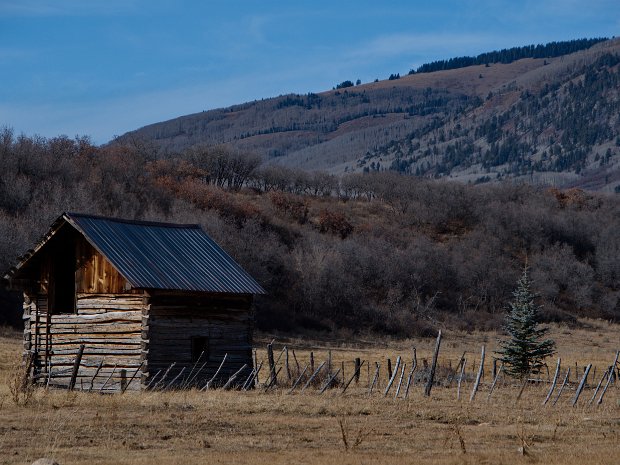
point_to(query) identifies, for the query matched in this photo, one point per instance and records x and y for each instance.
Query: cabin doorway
(61, 292)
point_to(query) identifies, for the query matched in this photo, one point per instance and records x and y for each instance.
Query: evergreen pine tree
(525, 349)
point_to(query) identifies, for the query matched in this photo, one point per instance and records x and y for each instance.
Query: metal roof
(164, 255)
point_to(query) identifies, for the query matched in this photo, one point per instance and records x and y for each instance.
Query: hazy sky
(104, 67)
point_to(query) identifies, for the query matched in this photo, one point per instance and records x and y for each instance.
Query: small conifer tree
(525, 350)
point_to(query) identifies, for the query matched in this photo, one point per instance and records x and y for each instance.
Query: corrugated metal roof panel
(165, 256)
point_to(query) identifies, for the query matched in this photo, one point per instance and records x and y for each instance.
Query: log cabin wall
(102, 312)
(109, 326)
(181, 325)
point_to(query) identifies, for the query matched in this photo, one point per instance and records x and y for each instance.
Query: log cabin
(138, 304)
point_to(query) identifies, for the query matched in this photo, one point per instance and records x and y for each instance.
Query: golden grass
(256, 427)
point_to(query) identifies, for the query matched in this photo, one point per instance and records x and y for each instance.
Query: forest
(364, 253)
(549, 50)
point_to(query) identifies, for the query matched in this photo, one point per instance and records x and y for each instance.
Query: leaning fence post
(329, 381)
(374, 379)
(208, 385)
(288, 368)
(76, 367)
(562, 386)
(555, 380)
(171, 383)
(458, 387)
(298, 379)
(431, 376)
(480, 370)
(598, 386)
(612, 370)
(581, 384)
(356, 375)
(400, 381)
(316, 372)
(415, 365)
(495, 378)
(92, 380)
(132, 378)
(273, 379)
(108, 379)
(387, 389)
(234, 376)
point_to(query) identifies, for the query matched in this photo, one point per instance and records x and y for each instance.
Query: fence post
(431, 376)
(581, 384)
(273, 379)
(555, 380)
(479, 376)
(76, 367)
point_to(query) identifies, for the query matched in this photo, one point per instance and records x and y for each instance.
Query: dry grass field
(257, 427)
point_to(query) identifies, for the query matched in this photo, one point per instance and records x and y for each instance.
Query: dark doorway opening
(200, 348)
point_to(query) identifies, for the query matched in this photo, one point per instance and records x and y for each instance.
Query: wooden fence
(283, 370)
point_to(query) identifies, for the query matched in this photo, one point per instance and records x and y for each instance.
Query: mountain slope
(553, 121)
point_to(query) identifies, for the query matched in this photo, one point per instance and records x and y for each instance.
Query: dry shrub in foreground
(20, 387)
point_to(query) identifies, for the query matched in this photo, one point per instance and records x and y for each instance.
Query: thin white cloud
(65, 7)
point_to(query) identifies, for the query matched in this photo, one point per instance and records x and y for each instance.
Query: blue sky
(104, 67)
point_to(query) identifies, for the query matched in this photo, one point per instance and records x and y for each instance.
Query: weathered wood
(554, 382)
(298, 379)
(411, 372)
(526, 380)
(495, 378)
(132, 378)
(391, 380)
(234, 376)
(356, 374)
(288, 369)
(208, 385)
(458, 387)
(295, 358)
(612, 369)
(431, 376)
(598, 386)
(456, 370)
(316, 372)
(400, 382)
(478, 376)
(107, 380)
(358, 365)
(273, 379)
(254, 377)
(562, 386)
(163, 378)
(76, 367)
(171, 383)
(374, 379)
(193, 368)
(581, 384)
(271, 383)
(330, 381)
(152, 380)
(92, 380)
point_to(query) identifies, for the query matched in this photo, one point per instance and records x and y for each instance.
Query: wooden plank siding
(175, 319)
(110, 326)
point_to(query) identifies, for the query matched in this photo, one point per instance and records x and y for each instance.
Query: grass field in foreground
(257, 427)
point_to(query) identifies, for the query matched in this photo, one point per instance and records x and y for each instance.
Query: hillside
(545, 120)
(374, 252)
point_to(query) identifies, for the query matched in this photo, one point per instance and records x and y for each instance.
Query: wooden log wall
(110, 327)
(226, 323)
